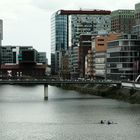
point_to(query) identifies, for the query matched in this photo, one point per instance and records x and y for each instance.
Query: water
(67, 115)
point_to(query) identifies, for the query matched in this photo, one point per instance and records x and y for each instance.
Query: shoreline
(120, 93)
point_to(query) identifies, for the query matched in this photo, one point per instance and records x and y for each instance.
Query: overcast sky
(27, 22)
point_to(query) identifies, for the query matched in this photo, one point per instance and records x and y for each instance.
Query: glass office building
(59, 40)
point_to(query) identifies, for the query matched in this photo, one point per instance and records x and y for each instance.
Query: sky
(27, 22)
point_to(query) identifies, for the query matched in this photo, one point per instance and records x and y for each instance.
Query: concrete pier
(45, 91)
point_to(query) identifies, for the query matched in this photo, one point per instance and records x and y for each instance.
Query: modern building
(18, 54)
(100, 53)
(29, 56)
(84, 47)
(1, 31)
(136, 28)
(122, 21)
(75, 23)
(123, 57)
(22, 61)
(42, 58)
(137, 14)
(1, 37)
(59, 40)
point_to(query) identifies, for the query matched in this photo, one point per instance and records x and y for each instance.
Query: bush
(132, 91)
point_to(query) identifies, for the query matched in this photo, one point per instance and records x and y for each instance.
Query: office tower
(136, 28)
(59, 40)
(1, 37)
(137, 14)
(122, 21)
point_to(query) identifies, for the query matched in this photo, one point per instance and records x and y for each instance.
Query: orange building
(101, 41)
(99, 48)
(101, 45)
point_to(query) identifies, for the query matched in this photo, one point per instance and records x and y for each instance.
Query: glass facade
(6, 55)
(59, 39)
(18, 54)
(42, 57)
(88, 24)
(85, 24)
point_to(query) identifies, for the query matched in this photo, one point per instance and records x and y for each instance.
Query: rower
(102, 122)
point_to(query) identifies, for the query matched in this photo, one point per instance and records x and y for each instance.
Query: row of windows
(123, 54)
(124, 65)
(100, 39)
(120, 59)
(114, 43)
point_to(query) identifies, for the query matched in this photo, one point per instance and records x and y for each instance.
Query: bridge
(47, 82)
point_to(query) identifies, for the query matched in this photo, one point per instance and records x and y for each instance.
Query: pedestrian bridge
(47, 82)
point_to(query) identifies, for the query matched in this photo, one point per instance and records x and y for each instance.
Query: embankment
(120, 93)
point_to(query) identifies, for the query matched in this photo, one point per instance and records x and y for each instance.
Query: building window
(100, 44)
(100, 39)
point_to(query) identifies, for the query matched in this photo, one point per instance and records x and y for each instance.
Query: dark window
(100, 39)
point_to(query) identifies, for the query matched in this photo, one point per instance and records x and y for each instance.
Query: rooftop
(90, 12)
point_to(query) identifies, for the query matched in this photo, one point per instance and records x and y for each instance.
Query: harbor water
(66, 115)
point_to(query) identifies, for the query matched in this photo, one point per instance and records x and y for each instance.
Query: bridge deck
(44, 81)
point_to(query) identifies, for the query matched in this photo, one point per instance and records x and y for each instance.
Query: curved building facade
(59, 40)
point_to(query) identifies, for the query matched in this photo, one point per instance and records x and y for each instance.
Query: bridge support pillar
(45, 92)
